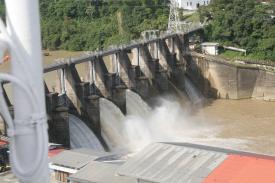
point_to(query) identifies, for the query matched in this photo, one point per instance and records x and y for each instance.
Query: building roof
(4, 141)
(238, 168)
(54, 152)
(192, 163)
(168, 163)
(78, 158)
(209, 44)
(98, 172)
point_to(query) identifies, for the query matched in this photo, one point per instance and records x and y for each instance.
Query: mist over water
(166, 122)
(169, 121)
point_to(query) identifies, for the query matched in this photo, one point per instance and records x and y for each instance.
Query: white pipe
(24, 29)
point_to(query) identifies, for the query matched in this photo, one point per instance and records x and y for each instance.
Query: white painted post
(29, 161)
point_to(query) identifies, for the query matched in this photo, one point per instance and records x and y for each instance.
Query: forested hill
(87, 24)
(243, 23)
(91, 24)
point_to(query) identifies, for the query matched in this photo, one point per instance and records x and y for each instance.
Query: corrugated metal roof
(77, 158)
(92, 152)
(98, 172)
(167, 163)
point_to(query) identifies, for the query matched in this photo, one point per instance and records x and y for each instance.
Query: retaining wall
(219, 78)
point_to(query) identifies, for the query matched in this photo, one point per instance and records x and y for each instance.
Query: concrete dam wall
(97, 95)
(218, 78)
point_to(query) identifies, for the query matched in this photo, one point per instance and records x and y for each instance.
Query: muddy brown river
(239, 124)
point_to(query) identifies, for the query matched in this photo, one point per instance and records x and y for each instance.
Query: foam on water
(166, 122)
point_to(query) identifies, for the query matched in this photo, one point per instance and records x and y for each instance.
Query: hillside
(89, 25)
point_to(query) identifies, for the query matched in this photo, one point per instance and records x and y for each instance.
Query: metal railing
(89, 56)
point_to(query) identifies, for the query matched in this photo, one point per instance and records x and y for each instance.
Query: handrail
(92, 56)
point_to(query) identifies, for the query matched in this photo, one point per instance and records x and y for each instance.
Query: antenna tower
(174, 23)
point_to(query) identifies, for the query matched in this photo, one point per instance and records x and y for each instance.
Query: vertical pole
(62, 80)
(90, 70)
(173, 44)
(138, 55)
(23, 23)
(59, 74)
(92, 79)
(117, 69)
(157, 47)
(91, 74)
(118, 65)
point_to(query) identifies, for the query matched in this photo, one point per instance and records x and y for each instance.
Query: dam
(157, 90)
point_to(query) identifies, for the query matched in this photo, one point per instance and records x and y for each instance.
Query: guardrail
(62, 63)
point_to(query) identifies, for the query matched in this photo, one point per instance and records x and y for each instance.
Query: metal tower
(174, 23)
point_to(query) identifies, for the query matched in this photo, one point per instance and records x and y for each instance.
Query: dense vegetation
(242, 23)
(89, 25)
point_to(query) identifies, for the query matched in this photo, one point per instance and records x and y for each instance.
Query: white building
(192, 4)
(210, 48)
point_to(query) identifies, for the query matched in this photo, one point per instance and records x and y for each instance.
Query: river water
(235, 124)
(250, 122)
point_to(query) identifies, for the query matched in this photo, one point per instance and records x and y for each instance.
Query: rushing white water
(135, 105)
(193, 93)
(111, 119)
(81, 136)
(169, 122)
(143, 125)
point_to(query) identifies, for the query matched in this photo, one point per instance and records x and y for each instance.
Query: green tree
(242, 23)
(77, 25)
